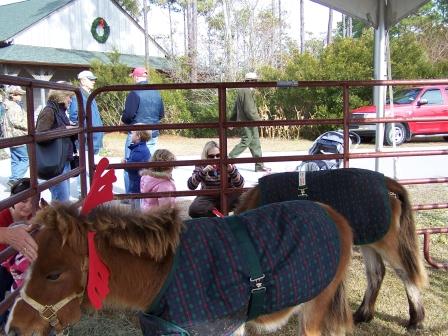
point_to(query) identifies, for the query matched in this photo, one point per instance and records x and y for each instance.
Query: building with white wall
(55, 39)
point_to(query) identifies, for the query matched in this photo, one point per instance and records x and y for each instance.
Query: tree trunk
(273, 57)
(330, 27)
(228, 39)
(171, 29)
(185, 31)
(279, 33)
(145, 23)
(192, 15)
(302, 27)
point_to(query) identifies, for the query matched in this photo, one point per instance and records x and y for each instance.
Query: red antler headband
(100, 192)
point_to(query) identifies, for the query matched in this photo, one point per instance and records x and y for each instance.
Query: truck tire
(367, 139)
(400, 134)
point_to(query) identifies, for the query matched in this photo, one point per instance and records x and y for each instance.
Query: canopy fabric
(367, 10)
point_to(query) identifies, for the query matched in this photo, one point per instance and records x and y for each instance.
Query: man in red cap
(142, 107)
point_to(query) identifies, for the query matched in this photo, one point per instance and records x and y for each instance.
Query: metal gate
(221, 124)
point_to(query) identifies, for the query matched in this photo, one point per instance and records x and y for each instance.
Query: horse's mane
(154, 233)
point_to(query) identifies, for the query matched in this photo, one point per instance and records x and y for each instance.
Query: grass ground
(392, 308)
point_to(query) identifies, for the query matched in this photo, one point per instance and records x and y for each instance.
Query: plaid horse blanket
(360, 195)
(209, 288)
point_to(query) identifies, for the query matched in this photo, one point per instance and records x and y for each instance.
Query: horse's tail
(248, 200)
(339, 319)
(408, 246)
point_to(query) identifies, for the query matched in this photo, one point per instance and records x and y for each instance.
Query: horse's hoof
(414, 326)
(359, 317)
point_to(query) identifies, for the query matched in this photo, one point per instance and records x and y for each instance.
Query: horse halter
(49, 312)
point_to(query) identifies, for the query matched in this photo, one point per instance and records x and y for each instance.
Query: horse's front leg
(375, 271)
(241, 331)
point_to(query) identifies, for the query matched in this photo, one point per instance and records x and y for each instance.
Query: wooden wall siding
(69, 28)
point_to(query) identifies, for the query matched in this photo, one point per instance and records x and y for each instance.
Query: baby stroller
(331, 142)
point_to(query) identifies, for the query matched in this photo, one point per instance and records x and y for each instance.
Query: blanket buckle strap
(257, 284)
(301, 190)
(256, 276)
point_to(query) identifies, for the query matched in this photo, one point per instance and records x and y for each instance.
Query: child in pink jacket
(158, 179)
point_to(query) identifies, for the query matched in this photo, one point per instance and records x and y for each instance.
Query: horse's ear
(43, 203)
(78, 203)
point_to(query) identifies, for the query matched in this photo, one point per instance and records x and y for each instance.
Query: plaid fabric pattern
(298, 247)
(358, 194)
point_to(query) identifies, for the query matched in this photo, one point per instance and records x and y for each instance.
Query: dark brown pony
(398, 246)
(138, 248)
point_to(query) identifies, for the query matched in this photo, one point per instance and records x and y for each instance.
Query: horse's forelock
(154, 233)
(65, 219)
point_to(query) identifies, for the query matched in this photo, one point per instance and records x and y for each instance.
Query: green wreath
(100, 23)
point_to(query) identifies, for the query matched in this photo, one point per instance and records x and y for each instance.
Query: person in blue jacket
(86, 82)
(142, 107)
(138, 152)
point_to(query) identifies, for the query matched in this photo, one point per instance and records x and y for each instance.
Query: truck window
(434, 97)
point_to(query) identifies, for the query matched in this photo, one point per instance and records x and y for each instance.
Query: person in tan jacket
(245, 109)
(15, 125)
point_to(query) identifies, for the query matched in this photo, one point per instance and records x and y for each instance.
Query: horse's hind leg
(416, 310)
(327, 313)
(375, 271)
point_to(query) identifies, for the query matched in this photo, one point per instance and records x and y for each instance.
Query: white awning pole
(380, 73)
(391, 108)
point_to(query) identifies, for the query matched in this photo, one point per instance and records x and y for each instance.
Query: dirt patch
(114, 144)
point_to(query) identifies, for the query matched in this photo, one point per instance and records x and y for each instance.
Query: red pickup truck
(424, 101)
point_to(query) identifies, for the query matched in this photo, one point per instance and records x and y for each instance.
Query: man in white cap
(14, 125)
(245, 109)
(142, 107)
(86, 82)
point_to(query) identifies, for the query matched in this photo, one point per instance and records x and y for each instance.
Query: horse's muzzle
(15, 332)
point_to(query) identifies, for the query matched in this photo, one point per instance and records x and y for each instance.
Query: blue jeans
(151, 144)
(19, 162)
(61, 192)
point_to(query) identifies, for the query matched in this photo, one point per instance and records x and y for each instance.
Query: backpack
(331, 142)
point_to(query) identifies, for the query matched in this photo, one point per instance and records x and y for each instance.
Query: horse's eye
(53, 276)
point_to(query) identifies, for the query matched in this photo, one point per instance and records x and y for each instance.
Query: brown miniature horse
(139, 248)
(359, 188)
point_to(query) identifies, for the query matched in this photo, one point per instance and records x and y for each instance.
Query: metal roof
(24, 54)
(367, 10)
(18, 16)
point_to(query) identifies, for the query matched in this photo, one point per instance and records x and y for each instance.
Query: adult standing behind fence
(86, 83)
(14, 125)
(245, 109)
(53, 116)
(142, 107)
